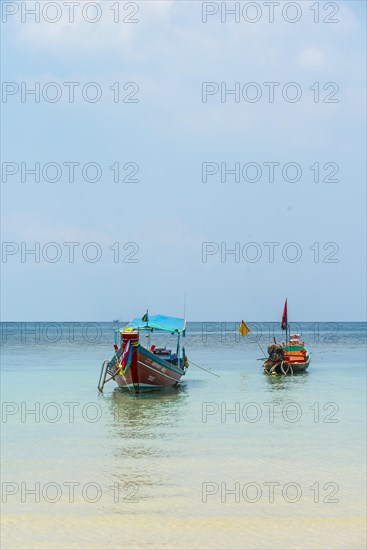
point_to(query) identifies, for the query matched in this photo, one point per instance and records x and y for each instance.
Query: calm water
(242, 460)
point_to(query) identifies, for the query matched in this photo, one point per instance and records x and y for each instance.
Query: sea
(231, 459)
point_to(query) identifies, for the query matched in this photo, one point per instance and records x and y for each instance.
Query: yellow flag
(243, 330)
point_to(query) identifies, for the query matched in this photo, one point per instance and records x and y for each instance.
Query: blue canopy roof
(159, 322)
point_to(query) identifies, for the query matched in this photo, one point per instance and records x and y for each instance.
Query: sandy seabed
(97, 532)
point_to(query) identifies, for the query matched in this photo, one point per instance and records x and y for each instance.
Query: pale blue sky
(169, 134)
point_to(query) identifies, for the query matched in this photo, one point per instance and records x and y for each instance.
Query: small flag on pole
(243, 330)
(145, 318)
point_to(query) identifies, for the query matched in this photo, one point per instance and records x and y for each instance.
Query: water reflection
(144, 431)
(145, 415)
(284, 383)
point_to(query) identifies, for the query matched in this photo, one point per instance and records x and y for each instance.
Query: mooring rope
(285, 367)
(202, 368)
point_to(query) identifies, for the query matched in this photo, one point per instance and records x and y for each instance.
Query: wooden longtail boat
(287, 358)
(138, 368)
(290, 357)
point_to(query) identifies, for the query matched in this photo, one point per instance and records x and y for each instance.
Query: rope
(284, 365)
(286, 368)
(202, 368)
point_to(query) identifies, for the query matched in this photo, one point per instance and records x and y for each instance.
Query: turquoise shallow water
(242, 460)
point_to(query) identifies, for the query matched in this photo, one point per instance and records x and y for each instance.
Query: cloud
(74, 30)
(312, 58)
(170, 52)
(34, 227)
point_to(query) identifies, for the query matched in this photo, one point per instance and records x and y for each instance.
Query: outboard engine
(276, 352)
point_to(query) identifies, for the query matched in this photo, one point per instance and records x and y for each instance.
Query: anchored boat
(290, 357)
(139, 368)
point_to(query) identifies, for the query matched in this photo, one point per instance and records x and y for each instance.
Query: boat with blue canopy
(139, 367)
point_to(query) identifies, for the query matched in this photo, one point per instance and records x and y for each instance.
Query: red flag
(285, 317)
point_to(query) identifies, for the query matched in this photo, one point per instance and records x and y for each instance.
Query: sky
(237, 153)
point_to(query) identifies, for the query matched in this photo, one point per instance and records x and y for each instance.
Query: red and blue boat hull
(149, 372)
(146, 370)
